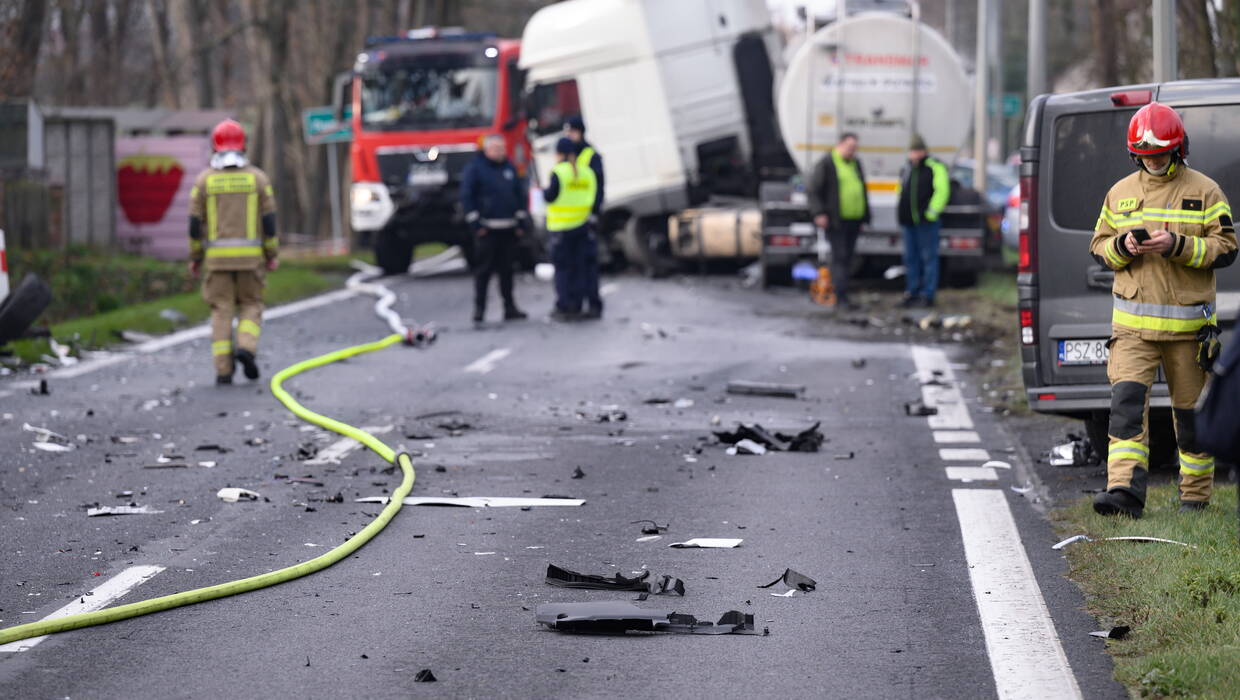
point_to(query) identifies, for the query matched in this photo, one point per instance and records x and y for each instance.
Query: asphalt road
(895, 613)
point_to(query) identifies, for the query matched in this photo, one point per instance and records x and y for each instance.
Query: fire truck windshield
(424, 92)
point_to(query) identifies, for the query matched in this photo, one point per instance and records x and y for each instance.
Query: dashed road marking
(98, 598)
(1026, 656)
(486, 363)
(963, 454)
(338, 450)
(967, 474)
(956, 436)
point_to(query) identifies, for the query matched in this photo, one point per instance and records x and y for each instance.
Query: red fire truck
(422, 102)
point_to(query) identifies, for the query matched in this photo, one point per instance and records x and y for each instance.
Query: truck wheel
(644, 242)
(393, 252)
(21, 307)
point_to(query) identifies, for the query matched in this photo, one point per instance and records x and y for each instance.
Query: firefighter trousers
(232, 293)
(1131, 368)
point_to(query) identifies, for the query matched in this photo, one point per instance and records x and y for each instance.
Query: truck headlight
(372, 206)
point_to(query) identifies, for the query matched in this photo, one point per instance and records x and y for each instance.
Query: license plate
(1083, 352)
(427, 176)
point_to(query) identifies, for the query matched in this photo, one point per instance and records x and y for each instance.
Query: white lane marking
(953, 412)
(967, 474)
(1026, 656)
(963, 454)
(956, 436)
(608, 289)
(486, 363)
(100, 597)
(185, 336)
(338, 450)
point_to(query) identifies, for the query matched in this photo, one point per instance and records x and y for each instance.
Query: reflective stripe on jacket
(573, 203)
(1170, 296)
(231, 203)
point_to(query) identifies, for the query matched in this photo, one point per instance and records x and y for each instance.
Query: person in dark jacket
(493, 197)
(924, 190)
(575, 130)
(840, 205)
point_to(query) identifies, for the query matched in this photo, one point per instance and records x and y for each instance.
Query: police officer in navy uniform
(575, 130)
(494, 199)
(570, 197)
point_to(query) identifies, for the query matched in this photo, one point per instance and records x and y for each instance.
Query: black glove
(1209, 346)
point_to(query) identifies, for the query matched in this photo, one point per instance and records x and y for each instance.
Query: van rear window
(1090, 155)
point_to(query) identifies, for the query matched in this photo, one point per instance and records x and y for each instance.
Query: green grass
(1183, 604)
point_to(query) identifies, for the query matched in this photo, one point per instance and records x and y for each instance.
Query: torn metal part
(1117, 632)
(44, 435)
(794, 580)
(621, 616)
(479, 501)
(1078, 451)
(578, 474)
(121, 510)
(423, 676)
(917, 408)
(653, 528)
(52, 447)
(661, 585)
(233, 494)
(807, 440)
(750, 388)
(786, 594)
(649, 538)
(707, 543)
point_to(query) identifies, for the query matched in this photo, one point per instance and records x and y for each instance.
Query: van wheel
(1097, 428)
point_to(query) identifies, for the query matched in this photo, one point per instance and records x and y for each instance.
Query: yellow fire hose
(198, 595)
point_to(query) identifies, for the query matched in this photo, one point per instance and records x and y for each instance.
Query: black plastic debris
(1118, 632)
(578, 474)
(652, 529)
(794, 580)
(1078, 451)
(657, 401)
(917, 408)
(455, 426)
(859, 362)
(612, 416)
(209, 447)
(621, 617)
(305, 451)
(742, 386)
(425, 676)
(42, 389)
(808, 440)
(660, 585)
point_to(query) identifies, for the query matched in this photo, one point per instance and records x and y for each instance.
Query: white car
(1011, 220)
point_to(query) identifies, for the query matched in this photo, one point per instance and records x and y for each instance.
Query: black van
(1073, 150)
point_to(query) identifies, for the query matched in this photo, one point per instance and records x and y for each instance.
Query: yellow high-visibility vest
(572, 206)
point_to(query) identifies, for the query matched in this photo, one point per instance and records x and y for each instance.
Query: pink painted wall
(153, 179)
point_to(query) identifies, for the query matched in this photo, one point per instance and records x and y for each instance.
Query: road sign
(319, 126)
(1012, 105)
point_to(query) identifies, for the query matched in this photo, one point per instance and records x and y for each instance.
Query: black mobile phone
(1140, 234)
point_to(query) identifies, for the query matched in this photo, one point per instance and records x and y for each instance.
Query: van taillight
(1026, 327)
(1028, 261)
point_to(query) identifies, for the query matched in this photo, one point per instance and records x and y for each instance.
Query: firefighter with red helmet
(232, 233)
(1164, 230)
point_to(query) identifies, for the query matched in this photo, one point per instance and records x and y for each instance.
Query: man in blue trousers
(574, 249)
(924, 190)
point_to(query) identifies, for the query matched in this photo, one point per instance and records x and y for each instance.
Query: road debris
(917, 408)
(578, 474)
(121, 510)
(859, 362)
(424, 676)
(794, 580)
(1117, 632)
(659, 585)
(653, 528)
(808, 440)
(233, 494)
(479, 501)
(176, 317)
(649, 538)
(1078, 451)
(48, 440)
(707, 543)
(682, 403)
(620, 616)
(750, 388)
(996, 464)
(1131, 538)
(746, 447)
(612, 414)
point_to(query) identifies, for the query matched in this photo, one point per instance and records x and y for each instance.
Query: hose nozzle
(420, 336)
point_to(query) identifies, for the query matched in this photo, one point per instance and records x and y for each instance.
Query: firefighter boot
(248, 364)
(1193, 506)
(1118, 502)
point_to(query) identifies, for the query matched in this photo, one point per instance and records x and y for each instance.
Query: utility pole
(1165, 65)
(980, 78)
(994, 50)
(1035, 75)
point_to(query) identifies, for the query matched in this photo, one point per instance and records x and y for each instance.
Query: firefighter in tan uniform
(232, 228)
(1164, 230)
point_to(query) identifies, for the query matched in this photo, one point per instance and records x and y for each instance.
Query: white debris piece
(707, 543)
(233, 494)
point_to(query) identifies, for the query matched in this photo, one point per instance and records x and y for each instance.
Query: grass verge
(1183, 604)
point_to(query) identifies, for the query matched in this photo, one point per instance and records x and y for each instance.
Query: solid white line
(486, 363)
(338, 450)
(956, 436)
(185, 336)
(608, 289)
(100, 597)
(1026, 657)
(963, 454)
(967, 474)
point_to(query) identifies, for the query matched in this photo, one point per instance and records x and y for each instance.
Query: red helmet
(228, 135)
(1156, 129)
